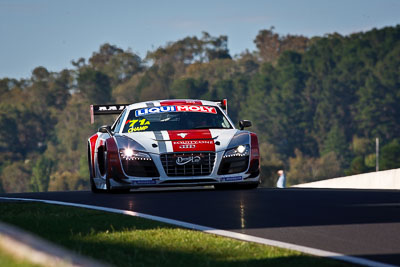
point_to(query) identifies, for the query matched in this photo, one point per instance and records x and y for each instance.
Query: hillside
(317, 103)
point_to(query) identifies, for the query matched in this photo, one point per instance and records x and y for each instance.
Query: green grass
(10, 261)
(130, 241)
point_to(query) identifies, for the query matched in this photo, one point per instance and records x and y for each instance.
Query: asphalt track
(360, 223)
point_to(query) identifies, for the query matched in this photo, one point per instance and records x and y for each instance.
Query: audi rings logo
(187, 146)
(186, 160)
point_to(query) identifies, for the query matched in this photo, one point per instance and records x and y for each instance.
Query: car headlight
(130, 154)
(239, 151)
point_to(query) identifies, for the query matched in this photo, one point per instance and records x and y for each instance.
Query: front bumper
(214, 177)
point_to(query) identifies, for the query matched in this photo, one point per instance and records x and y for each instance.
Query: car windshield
(175, 118)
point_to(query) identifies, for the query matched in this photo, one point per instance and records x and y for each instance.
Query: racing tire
(93, 187)
(108, 185)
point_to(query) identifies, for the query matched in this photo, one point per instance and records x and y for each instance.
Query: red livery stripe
(92, 141)
(255, 154)
(113, 158)
(191, 140)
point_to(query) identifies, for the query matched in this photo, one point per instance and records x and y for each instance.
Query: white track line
(239, 236)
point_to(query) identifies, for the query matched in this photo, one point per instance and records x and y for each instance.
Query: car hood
(180, 140)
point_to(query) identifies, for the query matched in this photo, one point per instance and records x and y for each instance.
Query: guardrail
(389, 179)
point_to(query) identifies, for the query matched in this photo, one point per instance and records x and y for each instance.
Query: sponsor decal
(177, 108)
(141, 126)
(182, 135)
(144, 182)
(197, 109)
(105, 109)
(187, 146)
(186, 160)
(232, 178)
(112, 108)
(202, 139)
(137, 129)
(193, 142)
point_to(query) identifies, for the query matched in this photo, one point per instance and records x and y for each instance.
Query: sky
(52, 33)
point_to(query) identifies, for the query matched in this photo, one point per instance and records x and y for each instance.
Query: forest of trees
(317, 103)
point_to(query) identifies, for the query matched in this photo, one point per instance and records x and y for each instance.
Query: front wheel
(93, 187)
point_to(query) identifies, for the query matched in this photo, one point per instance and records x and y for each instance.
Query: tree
(390, 156)
(15, 177)
(117, 64)
(304, 169)
(336, 142)
(270, 164)
(4, 87)
(22, 130)
(301, 169)
(41, 175)
(286, 113)
(270, 45)
(362, 146)
(377, 110)
(255, 106)
(357, 166)
(9, 141)
(83, 167)
(215, 47)
(248, 62)
(127, 92)
(40, 74)
(94, 86)
(190, 50)
(155, 83)
(67, 181)
(60, 89)
(188, 88)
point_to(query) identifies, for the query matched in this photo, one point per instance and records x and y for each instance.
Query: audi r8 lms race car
(172, 143)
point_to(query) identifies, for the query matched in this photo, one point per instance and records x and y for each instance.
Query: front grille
(191, 168)
(140, 168)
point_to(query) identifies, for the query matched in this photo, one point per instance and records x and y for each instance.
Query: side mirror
(244, 123)
(105, 129)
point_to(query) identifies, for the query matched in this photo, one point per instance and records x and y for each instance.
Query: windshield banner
(178, 108)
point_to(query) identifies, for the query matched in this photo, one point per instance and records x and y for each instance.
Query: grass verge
(8, 260)
(130, 241)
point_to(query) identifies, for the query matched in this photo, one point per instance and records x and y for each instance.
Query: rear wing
(106, 110)
(223, 103)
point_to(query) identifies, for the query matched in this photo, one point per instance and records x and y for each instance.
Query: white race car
(172, 143)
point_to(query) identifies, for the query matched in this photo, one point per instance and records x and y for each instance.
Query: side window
(118, 123)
